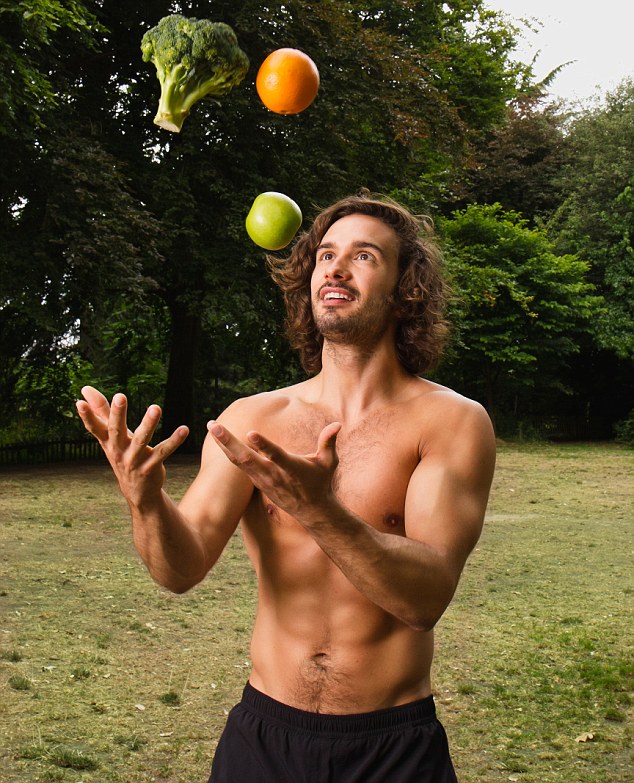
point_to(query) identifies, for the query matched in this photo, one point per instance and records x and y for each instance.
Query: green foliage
(596, 220)
(129, 351)
(625, 430)
(80, 244)
(43, 392)
(518, 163)
(474, 63)
(193, 58)
(115, 235)
(33, 35)
(519, 308)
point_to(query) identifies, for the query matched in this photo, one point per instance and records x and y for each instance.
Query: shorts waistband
(390, 718)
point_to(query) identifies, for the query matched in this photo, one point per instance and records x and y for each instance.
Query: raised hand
(139, 467)
(298, 484)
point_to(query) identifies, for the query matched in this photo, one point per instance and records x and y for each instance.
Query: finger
(93, 424)
(94, 411)
(97, 402)
(117, 422)
(236, 451)
(167, 447)
(327, 443)
(270, 450)
(144, 433)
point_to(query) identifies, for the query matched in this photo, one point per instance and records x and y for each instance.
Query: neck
(353, 381)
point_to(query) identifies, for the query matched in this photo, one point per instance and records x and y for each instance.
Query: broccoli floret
(193, 58)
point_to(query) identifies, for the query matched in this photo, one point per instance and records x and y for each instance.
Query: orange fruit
(288, 81)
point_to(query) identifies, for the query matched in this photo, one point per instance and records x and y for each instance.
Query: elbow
(427, 614)
(175, 580)
(179, 589)
(423, 624)
(175, 584)
(420, 619)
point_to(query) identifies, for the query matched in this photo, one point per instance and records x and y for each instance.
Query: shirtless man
(360, 493)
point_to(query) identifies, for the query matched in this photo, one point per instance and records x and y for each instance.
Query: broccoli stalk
(193, 58)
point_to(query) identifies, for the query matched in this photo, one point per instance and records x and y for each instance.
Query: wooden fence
(61, 450)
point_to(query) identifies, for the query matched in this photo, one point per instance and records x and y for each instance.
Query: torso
(317, 643)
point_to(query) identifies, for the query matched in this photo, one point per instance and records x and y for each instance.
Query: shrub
(624, 430)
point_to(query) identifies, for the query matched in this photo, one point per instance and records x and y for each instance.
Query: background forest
(125, 264)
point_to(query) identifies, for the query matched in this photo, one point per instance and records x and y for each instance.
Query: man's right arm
(178, 543)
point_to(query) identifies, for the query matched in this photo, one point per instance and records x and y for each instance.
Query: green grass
(11, 655)
(170, 697)
(125, 682)
(60, 756)
(19, 683)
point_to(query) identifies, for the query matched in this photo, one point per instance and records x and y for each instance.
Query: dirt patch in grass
(119, 681)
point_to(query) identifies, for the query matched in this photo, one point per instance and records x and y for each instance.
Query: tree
(373, 130)
(395, 101)
(519, 309)
(596, 220)
(38, 39)
(518, 163)
(78, 245)
(35, 37)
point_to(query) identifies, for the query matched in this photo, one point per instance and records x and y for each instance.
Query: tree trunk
(178, 405)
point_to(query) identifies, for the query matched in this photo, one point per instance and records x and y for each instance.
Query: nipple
(393, 520)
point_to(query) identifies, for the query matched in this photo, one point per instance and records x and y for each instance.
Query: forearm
(403, 576)
(172, 551)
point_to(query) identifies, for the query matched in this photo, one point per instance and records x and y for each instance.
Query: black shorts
(265, 741)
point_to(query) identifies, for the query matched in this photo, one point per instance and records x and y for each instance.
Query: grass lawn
(106, 677)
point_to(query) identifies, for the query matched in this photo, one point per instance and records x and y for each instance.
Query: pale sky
(598, 37)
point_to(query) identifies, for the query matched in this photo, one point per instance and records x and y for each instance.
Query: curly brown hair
(421, 294)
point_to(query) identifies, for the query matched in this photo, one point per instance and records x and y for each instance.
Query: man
(360, 492)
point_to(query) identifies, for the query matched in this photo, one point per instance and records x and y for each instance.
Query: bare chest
(376, 460)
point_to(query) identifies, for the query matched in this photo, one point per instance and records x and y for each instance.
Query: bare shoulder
(451, 420)
(247, 413)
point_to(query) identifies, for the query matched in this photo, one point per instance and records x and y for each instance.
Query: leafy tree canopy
(596, 219)
(35, 38)
(102, 206)
(518, 163)
(518, 305)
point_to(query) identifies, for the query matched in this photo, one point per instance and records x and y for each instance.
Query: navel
(321, 660)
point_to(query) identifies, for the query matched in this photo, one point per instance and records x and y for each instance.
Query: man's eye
(326, 257)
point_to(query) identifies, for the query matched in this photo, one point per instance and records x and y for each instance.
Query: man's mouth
(328, 294)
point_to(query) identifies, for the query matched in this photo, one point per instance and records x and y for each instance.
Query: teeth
(337, 295)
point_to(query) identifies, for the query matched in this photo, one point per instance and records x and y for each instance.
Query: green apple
(273, 220)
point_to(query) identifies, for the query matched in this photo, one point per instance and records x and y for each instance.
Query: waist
(340, 670)
(378, 721)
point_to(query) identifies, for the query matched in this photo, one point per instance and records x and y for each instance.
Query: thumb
(327, 444)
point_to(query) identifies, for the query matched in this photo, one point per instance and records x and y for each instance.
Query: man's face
(355, 276)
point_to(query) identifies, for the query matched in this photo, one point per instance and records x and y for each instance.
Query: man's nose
(337, 269)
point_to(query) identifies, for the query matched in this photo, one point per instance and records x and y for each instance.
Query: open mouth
(335, 295)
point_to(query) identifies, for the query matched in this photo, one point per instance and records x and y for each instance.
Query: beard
(362, 328)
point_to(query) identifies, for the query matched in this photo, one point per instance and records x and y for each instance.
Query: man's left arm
(412, 577)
